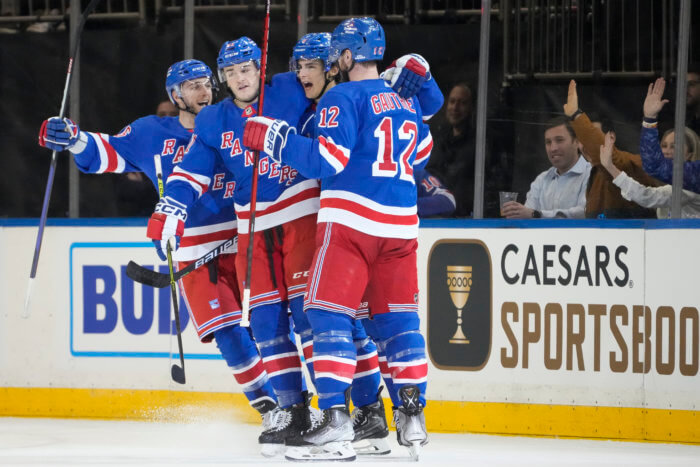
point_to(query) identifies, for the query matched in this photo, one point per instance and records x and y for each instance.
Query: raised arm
(93, 152)
(321, 157)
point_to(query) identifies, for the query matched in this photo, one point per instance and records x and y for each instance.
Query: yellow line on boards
(626, 423)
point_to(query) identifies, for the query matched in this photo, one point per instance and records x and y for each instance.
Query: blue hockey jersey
(282, 194)
(429, 97)
(211, 221)
(434, 199)
(369, 142)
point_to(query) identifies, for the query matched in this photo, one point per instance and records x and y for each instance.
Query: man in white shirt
(559, 191)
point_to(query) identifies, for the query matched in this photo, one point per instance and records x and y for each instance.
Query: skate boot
(328, 439)
(370, 427)
(410, 421)
(285, 423)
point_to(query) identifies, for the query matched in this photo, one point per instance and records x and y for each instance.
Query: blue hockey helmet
(243, 49)
(364, 37)
(186, 70)
(313, 46)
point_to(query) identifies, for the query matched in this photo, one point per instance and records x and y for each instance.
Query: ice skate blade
(414, 449)
(340, 451)
(371, 447)
(271, 450)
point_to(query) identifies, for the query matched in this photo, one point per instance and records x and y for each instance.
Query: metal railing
(34, 11)
(214, 6)
(397, 11)
(545, 39)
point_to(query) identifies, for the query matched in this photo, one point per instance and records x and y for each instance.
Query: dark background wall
(122, 78)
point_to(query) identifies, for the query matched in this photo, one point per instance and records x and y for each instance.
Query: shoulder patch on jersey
(124, 132)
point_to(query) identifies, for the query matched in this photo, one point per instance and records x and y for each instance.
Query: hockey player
(370, 140)
(315, 74)
(285, 217)
(211, 293)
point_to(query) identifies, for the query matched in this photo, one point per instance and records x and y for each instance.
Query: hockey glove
(166, 222)
(59, 134)
(407, 75)
(267, 135)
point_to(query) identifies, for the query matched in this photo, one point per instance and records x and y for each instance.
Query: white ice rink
(36, 441)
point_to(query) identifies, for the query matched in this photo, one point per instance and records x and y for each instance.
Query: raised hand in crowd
(654, 102)
(571, 105)
(606, 151)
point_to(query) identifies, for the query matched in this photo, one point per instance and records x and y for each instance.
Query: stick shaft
(52, 169)
(245, 312)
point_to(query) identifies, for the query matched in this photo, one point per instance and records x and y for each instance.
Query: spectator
(166, 109)
(433, 198)
(692, 102)
(559, 191)
(603, 198)
(651, 197)
(659, 162)
(452, 159)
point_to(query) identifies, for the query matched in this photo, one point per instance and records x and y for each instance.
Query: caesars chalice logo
(459, 282)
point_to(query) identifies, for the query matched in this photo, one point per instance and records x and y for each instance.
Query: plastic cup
(505, 196)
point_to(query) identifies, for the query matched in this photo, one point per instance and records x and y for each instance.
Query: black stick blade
(146, 276)
(178, 374)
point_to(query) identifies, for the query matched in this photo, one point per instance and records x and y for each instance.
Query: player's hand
(407, 75)
(653, 102)
(58, 134)
(267, 135)
(571, 105)
(515, 210)
(167, 222)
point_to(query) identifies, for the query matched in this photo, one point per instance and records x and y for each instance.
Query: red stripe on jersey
(310, 193)
(112, 160)
(367, 364)
(308, 351)
(190, 179)
(415, 372)
(423, 153)
(193, 240)
(334, 150)
(368, 213)
(251, 374)
(384, 367)
(340, 369)
(284, 363)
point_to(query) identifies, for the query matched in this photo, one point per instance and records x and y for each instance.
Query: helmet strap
(325, 86)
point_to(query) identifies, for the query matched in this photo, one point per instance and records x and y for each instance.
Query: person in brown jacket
(603, 197)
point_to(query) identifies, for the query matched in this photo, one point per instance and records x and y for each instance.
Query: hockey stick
(52, 168)
(176, 372)
(158, 280)
(245, 312)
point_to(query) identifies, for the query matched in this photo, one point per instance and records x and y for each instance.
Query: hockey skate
(370, 427)
(328, 439)
(284, 423)
(410, 421)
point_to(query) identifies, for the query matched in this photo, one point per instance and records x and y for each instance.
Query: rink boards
(567, 328)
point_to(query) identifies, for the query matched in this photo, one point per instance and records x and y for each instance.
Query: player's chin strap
(323, 90)
(187, 107)
(345, 75)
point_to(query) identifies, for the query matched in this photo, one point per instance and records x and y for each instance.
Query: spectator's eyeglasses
(693, 82)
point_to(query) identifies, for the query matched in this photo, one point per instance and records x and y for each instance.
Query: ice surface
(39, 441)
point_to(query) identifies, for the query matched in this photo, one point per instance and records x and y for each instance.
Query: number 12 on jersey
(385, 165)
